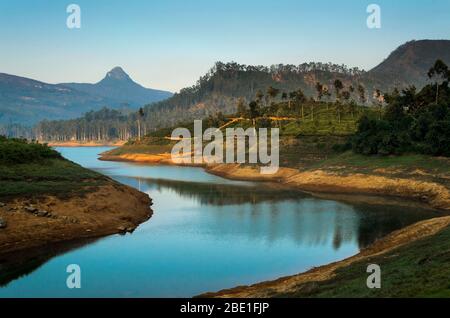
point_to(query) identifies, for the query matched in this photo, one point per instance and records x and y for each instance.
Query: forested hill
(220, 88)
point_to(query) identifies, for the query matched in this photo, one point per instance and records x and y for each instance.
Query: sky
(169, 44)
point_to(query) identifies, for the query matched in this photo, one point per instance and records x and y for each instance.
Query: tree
(292, 96)
(272, 92)
(338, 86)
(319, 89)
(300, 99)
(380, 100)
(241, 108)
(339, 110)
(259, 96)
(440, 71)
(352, 108)
(254, 110)
(362, 93)
(140, 116)
(346, 96)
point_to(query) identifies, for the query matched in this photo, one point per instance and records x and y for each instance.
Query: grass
(419, 269)
(409, 162)
(48, 177)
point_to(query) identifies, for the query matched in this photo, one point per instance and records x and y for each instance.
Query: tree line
(417, 122)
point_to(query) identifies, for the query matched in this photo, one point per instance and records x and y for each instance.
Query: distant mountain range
(28, 101)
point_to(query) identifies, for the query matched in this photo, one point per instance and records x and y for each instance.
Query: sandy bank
(288, 284)
(433, 194)
(111, 208)
(117, 143)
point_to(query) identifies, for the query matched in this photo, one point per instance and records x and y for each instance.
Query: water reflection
(207, 233)
(276, 212)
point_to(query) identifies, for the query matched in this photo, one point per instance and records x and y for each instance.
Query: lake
(206, 234)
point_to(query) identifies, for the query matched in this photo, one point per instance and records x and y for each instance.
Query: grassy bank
(47, 199)
(30, 169)
(419, 269)
(50, 176)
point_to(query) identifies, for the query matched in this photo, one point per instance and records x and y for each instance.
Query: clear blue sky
(169, 44)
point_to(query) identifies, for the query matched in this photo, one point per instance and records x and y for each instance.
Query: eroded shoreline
(432, 194)
(109, 209)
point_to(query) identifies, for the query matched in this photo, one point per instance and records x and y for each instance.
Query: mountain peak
(117, 73)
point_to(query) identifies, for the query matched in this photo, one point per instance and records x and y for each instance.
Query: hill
(26, 101)
(409, 64)
(224, 84)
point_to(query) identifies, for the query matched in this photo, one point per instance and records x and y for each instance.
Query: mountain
(26, 101)
(117, 85)
(409, 64)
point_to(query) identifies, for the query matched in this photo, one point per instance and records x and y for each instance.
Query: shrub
(18, 151)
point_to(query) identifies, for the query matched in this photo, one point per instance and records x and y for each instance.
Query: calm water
(206, 234)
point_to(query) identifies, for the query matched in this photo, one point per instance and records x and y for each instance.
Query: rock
(41, 213)
(31, 209)
(74, 221)
(130, 229)
(2, 205)
(3, 224)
